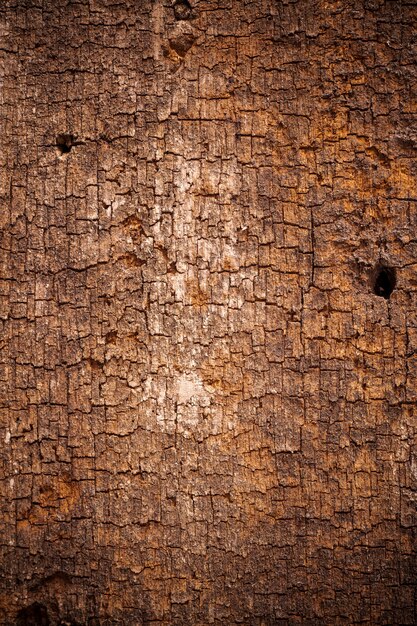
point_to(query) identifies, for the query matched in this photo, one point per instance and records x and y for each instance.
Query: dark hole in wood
(384, 281)
(33, 615)
(182, 10)
(64, 143)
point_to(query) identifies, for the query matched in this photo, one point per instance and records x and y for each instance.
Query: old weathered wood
(208, 312)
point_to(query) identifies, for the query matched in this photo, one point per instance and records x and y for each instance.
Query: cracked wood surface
(207, 414)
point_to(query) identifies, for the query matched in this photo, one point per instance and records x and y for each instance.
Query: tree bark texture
(208, 312)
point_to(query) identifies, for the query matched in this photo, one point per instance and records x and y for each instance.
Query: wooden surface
(207, 414)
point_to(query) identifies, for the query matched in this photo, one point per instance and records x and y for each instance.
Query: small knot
(182, 10)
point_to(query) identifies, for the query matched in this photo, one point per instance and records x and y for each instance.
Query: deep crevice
(35, 614)
(64, 143)
(383, 281)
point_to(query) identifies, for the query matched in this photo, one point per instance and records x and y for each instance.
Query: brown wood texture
(208, 312)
